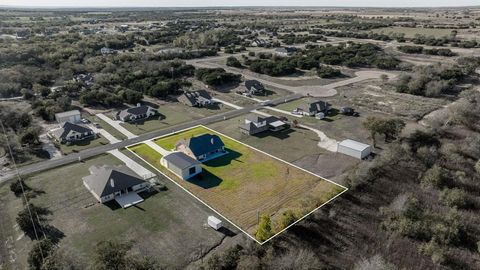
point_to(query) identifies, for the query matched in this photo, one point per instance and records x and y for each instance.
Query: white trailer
(214, 222)
(354, 149)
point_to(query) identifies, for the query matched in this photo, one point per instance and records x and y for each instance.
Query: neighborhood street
(88, 153)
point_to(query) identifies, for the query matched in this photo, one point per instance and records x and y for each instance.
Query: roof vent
(112, 183)
(211, 141)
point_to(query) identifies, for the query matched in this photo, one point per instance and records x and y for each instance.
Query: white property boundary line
(213, 209)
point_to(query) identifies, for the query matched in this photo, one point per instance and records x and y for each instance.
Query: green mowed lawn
(172, 114)
(168, 224)
(246, 183)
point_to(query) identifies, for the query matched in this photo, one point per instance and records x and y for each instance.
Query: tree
(390, 128)
(264, 230)
(16, 187)
(39, 253)
(111, 255)
(30, 136)
(30, 218)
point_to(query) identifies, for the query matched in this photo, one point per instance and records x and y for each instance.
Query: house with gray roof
(118, 183)
(70, 132)
(312, 108)
(135, 113)
(255, 124)
(182, 165)
(202, 148)
(199, 98)
(254, 87)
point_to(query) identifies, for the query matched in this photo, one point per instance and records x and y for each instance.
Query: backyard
(247, 183)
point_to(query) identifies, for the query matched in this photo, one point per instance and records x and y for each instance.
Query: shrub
(264, 230)
(233, 62)
(433, 177)
(287, 218)
(435, 251)
(328, 72)
(454, 198)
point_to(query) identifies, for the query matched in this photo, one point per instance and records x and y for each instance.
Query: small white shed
(214, 222)
(354, 149)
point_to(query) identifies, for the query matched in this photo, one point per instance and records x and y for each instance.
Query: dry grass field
(247, 183)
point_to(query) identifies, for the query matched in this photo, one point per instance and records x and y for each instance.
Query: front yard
(172, 113)
(246, 183)
(167, 225)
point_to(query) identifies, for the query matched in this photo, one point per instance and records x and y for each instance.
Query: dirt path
(312, 90)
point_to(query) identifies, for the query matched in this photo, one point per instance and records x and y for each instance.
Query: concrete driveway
(116, 125)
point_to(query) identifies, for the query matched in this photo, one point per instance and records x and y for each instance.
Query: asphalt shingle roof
(181, 160)
(106, 179)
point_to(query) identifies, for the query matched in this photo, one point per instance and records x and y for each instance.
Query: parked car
(85, 121)
(320, 115)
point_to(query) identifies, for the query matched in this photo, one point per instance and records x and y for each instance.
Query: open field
(172, 113)
(247, 183)
(411, 32)
(168, 225)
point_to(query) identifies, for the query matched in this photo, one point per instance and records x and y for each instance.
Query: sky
(209, 3)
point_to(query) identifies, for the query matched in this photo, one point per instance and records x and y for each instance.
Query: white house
(69, 116)
(181, 165)
(136, 113)
(354, 149)
(70, 132)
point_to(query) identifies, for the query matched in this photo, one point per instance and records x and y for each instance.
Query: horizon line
(228, 6)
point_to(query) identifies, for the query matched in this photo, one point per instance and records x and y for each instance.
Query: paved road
(74, 157)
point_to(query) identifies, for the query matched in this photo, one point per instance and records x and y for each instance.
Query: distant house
(354, 149)
(69, 116)
(87, 79)
(202, 148)
(200, 98)
(260, 43)
(313, 108)
(118, 183)
(70, 132)
(135, 113)
(106, 51)
(255, 124)
(285, 51)
(22, 34)
(182, 165)
(254, 87)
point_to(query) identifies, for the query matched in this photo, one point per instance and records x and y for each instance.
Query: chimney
(138, 105)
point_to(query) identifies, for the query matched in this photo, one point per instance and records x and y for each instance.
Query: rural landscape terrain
(240, 138)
